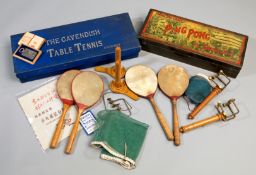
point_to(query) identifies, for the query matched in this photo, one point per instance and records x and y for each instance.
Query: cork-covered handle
(72, 137)
(58, 130)
(161, 120)
(201, 123)
(176, 125)
(198, 108)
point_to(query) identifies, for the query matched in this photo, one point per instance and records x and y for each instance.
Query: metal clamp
(115, 105)
(221, 80)
(228, 109)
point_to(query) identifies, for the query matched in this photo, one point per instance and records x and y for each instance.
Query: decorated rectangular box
(193, 42)
(79, 45)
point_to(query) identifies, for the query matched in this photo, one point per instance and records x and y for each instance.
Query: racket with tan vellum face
(173, 81)
(87, 88)
(64, 91)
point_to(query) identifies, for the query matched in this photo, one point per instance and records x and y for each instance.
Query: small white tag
(88, 122)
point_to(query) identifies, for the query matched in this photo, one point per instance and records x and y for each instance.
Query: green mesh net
(120, 137)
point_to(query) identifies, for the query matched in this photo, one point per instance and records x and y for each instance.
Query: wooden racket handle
(176, 126)
(198, 108)
(161, 119)
(72, 137)
(58, 130)
(201, 123)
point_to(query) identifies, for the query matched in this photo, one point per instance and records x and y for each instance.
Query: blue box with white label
(79, 45)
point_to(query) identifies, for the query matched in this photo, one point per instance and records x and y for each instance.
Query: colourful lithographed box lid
(79, 45)
(194, 37)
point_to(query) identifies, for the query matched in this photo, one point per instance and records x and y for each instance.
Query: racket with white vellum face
(142, 81)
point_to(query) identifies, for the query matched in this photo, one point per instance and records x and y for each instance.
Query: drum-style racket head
(141, 80)
(173, 80)
(64, 86)
(87, 88)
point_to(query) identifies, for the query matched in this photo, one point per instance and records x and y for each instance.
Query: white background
(222, 148)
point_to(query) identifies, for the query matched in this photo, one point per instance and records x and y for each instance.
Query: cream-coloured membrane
(142, 80)
(87, 88)
(173, 80)
(64, 84)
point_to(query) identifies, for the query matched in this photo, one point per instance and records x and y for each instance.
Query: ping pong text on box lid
(199, 44)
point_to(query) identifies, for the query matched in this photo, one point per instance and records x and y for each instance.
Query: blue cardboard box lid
(79, 45)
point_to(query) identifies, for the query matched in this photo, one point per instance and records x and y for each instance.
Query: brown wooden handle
(72, 137)
(176, 125)
(58, 130)
(201, 123)
(161, 120)
(198, 108)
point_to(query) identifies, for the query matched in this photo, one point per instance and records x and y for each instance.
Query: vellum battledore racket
(173, 81)
(143, 81)
(64, 91)
(87, 88)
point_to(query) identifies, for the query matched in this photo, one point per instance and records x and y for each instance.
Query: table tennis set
(158, 35)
